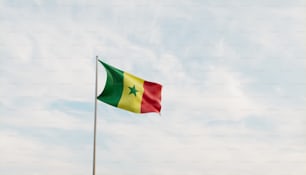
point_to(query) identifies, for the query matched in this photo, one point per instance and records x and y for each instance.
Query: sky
(233, 76)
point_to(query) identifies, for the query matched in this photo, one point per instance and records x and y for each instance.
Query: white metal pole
(95, 121)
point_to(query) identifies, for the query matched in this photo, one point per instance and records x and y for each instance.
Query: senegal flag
(126, 91)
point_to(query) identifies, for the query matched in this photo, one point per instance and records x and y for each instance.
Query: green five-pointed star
(133, 90)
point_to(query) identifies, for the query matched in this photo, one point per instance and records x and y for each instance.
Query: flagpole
(95, 121)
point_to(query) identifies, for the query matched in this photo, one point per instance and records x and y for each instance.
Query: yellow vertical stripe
(131, 85)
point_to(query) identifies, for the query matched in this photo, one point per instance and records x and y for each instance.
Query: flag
(126, 91)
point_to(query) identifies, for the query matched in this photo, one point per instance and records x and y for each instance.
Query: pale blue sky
(233, 76)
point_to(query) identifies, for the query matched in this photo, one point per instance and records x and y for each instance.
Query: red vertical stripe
(151, 97)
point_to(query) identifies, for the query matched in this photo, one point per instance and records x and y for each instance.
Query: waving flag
(126, 91)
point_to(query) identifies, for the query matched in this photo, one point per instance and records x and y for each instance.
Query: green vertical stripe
(114, 85)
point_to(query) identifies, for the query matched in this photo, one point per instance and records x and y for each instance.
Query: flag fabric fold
(126, 91)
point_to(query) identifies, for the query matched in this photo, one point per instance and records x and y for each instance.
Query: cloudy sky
(233, 76)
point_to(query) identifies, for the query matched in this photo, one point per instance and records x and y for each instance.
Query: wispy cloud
(233, 90)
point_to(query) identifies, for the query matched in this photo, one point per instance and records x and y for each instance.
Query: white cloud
(46, 118)
(212, 120)
(25, 155)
